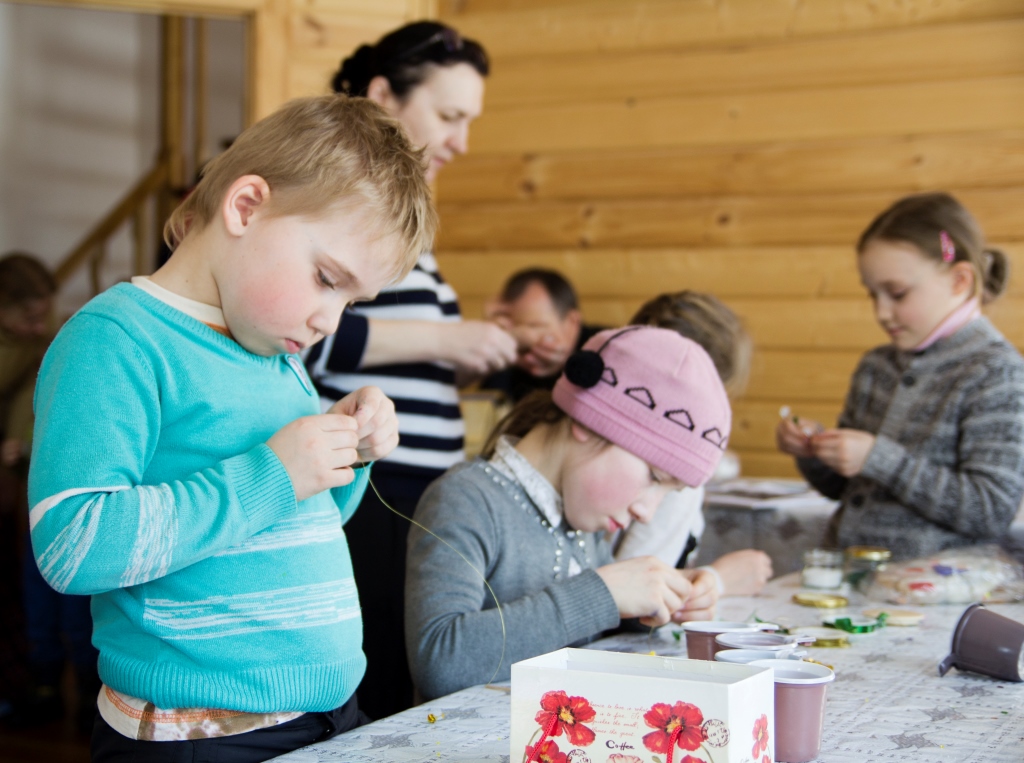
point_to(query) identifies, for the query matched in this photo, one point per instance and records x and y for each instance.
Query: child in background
(674, 531)
(57, 626)
(182, 472)
(26, 306)
(638, 412)
(929, 450)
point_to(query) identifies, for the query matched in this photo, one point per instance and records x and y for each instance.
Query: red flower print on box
(679, 723)
(547, 752)
(560, 712)
(760, 735)
(568, 714)
(766, 759)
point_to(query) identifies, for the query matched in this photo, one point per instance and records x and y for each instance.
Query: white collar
(208, 314)
(513, 464)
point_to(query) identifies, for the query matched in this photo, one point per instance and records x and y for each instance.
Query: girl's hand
(376, 422)
(647, 588)
(702, 600)
(743, 573)
(317, 452)
(795, 438)
(845, 450)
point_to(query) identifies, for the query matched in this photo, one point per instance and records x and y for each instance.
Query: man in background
(540, 309)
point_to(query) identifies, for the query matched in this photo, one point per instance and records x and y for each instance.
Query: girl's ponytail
(995, 274)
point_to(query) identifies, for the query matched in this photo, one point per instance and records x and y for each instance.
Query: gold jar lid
(821, 600)
(869, 553)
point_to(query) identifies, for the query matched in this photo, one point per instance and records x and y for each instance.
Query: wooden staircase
(153, 197)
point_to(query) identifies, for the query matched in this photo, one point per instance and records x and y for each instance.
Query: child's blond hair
(711, 324)
(318, 153)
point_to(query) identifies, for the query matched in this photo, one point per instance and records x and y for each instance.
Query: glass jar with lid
(823, 569)
(862, 562)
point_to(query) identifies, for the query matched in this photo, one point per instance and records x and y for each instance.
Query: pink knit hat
(654, 393)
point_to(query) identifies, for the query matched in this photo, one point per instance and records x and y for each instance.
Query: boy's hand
(377, 424)
(317, 452)
(845, 450)
(647, 588)
(795, 438)
(703, 597)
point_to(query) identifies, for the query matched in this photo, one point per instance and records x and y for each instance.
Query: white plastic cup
(700, 635)
(771, 642)
(746, 656)
(799, 707)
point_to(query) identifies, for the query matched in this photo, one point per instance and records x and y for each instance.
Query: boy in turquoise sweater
(182, 473)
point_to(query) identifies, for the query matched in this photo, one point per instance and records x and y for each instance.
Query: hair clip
(948, 247)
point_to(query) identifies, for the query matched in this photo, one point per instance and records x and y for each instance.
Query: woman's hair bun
(353, 78)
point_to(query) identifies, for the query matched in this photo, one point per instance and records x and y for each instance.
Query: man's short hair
(563, 296)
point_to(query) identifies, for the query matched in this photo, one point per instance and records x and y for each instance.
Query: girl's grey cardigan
(947, 467)
(452, 630)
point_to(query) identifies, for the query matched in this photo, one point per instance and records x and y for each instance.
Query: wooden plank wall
(322, 32)
(736, 147)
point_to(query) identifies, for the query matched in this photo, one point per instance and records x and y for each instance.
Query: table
(887, 703)
(785, 533)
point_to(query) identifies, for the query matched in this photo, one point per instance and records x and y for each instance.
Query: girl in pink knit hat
(639, 412)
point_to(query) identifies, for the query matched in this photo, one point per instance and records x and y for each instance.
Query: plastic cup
(986, 642)
(745, 656)
(770, 642)
(799, 707)
(700, 635)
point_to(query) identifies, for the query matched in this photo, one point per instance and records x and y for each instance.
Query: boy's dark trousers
(108, 746)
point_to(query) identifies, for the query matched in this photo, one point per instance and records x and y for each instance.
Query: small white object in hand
(784, 412)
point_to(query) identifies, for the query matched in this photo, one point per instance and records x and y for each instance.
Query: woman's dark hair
(23, 278)
(921, 220)
(405, 58)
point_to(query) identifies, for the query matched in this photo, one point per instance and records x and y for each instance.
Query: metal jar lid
(869, 553)
(821, 600)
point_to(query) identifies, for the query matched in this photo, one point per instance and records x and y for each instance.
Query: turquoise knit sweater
(152, 489)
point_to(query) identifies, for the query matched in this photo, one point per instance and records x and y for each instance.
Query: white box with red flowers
(588, 706)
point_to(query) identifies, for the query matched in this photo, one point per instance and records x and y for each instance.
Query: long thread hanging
(501, 615)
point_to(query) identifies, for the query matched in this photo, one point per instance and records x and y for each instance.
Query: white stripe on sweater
(257, 612)
(40, 509)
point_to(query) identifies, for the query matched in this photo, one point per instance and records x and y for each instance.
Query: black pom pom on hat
(584, 368)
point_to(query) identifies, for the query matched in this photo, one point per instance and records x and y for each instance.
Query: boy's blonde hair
(319, 153)
(711, 324)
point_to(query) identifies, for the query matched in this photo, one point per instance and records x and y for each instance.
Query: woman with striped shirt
(410, 341)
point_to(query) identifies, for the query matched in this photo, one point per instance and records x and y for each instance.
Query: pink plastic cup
(700, 635)
(799, 707)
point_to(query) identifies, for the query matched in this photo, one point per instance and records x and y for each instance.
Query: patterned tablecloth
(887, 703)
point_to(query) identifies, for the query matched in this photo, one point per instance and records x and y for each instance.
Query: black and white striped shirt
(426, 399)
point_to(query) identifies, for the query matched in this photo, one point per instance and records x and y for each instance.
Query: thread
(501, 615)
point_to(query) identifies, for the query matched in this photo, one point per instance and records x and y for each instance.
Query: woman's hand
(795, 438)
(647, 588)
(376, 422)
(11, 451)
(844, 450)
(477, 347)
